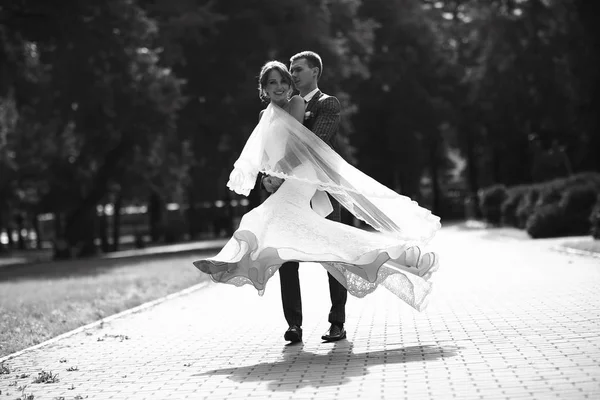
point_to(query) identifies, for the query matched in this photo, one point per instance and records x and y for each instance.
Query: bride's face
(277, 88)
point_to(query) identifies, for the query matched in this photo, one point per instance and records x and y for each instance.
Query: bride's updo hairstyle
(264, 75)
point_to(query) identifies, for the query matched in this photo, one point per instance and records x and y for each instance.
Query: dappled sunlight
(44, 300)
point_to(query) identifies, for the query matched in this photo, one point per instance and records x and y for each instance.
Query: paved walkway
(509, 319)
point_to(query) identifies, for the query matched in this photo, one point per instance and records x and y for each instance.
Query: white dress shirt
(310, 95)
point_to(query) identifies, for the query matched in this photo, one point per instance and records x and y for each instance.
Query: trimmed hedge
(552, 192)
(490, 200)
(560, 207)
(578, 204)
(508, 208)
(569, 216)
(527, 205)
(547, 221)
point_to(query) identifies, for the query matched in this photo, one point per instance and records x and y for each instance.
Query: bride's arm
(297, 108)
(262, 176)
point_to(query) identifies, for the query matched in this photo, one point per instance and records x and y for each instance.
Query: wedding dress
(286, 227)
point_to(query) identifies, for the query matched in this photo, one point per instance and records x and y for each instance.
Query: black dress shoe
(293, 334)
(336, 332)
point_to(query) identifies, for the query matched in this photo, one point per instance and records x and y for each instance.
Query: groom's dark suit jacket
(322, 117)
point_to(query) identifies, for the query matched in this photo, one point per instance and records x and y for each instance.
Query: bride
(290, 225)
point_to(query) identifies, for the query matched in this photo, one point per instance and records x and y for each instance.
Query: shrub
(577, 203)
(508, 208)
(585, 178)
(568, 216)
(552, 192)
(579, 198)
(595, 219)
(490, 200)
(527, 205)
(547, 221)
(553, 208)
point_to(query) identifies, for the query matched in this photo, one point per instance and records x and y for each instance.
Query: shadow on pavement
(299, 368)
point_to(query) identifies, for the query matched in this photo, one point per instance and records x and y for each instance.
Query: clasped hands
(271, 183)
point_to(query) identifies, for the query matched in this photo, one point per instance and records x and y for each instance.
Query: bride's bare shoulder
(296, 101)
(297, 107)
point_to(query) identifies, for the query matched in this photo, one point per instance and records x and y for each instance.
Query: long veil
(279, 144)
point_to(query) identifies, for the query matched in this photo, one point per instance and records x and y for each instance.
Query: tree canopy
(149, 102)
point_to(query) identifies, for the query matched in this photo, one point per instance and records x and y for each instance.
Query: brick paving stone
(507, 320)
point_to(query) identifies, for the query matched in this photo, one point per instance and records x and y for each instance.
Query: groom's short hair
(312, 59)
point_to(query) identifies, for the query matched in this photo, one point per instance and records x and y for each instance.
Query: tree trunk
(58, 228)
(9, 232)
(117, 222)
(20, 221)
(103, 231)
(11, 242)
(2, 247)
(81, 234)
(79, 230)
(587, 12)
(61, 246)
(435, 176)
(155, 215)
(87, 206)
(35, 223)
(472, 172)
(191, 214)
(498, 176)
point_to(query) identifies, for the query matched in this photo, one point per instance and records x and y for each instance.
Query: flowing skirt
(285, 228)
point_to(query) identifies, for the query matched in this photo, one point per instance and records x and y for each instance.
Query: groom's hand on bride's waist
(271, 183)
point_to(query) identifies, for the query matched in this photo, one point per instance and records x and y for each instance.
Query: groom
(322, 117)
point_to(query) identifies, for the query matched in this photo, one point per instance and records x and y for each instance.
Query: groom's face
(302, 73)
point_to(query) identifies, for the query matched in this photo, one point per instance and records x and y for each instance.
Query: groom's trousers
(290, 287)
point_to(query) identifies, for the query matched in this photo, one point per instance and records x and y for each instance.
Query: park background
(120, 121)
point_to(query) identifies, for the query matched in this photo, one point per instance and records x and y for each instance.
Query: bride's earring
(265, 95)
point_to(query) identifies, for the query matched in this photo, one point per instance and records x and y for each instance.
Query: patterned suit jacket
(322, 117)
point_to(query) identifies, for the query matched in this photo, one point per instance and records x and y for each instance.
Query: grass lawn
(41, 301)
(590, 245)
